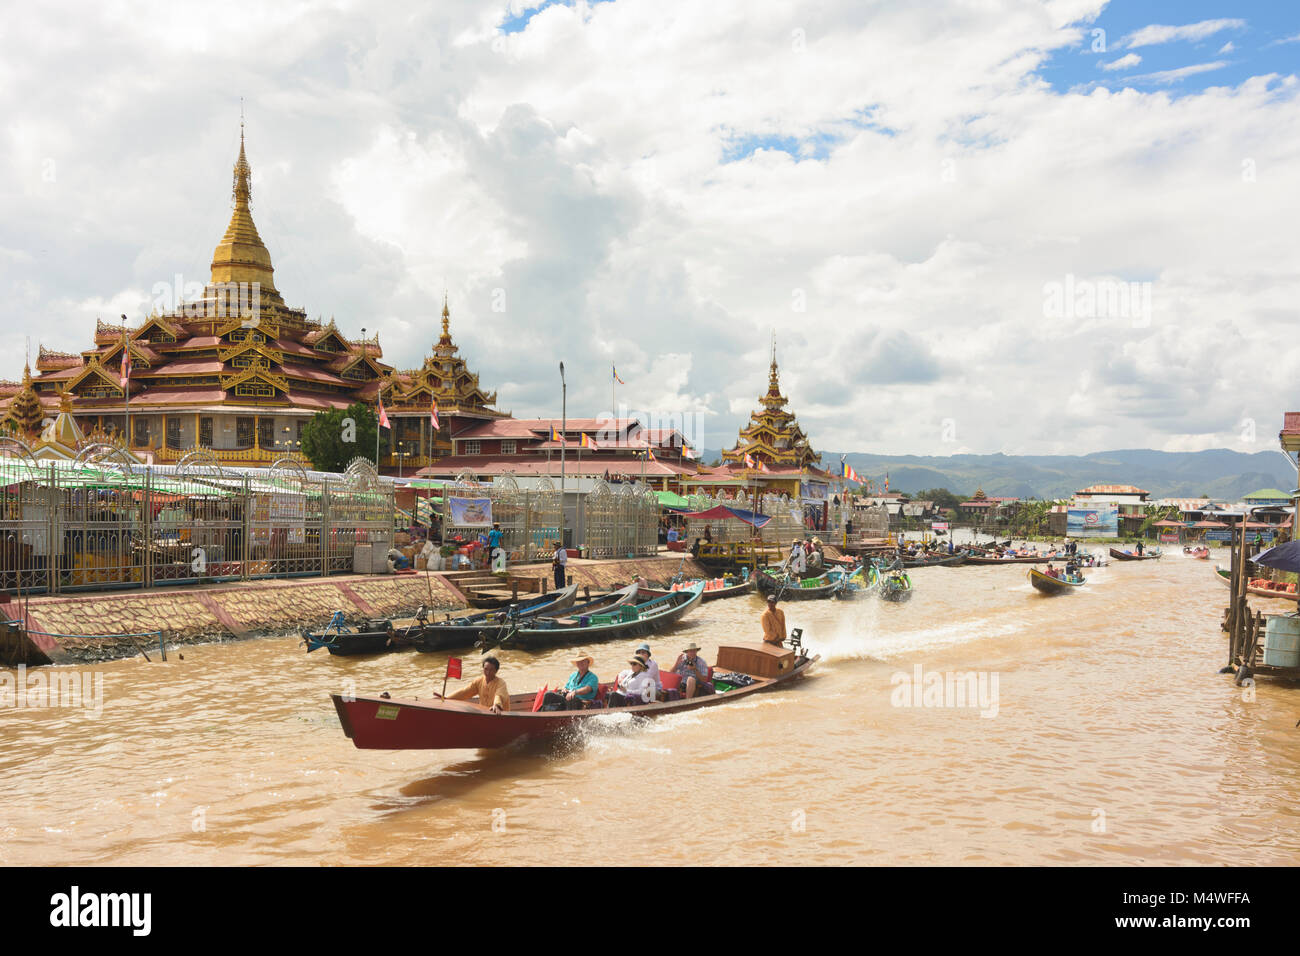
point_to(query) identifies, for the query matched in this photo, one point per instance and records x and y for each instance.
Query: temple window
(205, 432)
(243, 432)
(473, 448)
(266, 432)
(174, 433)
(507, 448)
(140, 432)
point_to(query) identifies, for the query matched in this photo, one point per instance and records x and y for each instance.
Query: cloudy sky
(972, 225)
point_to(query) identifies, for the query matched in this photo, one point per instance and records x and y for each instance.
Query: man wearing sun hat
(581, 688)
(694, 671)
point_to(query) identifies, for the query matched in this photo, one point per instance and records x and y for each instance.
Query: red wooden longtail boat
(379, 723)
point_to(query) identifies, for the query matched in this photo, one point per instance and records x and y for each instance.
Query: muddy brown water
(1111, 739)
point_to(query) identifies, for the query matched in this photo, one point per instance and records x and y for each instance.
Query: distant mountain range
(1219, 473)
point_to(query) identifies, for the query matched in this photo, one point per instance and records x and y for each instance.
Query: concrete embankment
(75, 628)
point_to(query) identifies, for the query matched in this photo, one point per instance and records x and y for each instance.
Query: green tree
(333, 438)
(940, 496)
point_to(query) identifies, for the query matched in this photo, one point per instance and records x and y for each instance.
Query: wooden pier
(1244, 625)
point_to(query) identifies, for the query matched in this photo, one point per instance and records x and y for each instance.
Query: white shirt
(563, 555)
(652, 669)
(640, 685)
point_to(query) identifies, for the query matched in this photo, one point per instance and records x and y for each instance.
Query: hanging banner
(1092, 522)
(938, 526)
(470, 512)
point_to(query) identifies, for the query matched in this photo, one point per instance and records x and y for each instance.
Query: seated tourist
(634, 686)
(651, 666)
(694, 671)
(579, 691)
(489, 689)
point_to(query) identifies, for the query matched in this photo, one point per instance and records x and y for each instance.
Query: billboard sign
(1092, 522)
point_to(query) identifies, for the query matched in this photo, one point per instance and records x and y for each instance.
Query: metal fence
(529, 518)
(620, 520)
(102, 521)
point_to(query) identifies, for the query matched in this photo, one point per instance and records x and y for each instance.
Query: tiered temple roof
(239, 348)
(773, 436)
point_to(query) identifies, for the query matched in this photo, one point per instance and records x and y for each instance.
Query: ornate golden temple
(773, 436)
(239, 372)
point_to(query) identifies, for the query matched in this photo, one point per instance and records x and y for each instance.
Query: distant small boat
(1150, 555)
(1202, 553)
(808, 589)
(896, 587)
(1015, 559)
(710, 594)
(1050, 585)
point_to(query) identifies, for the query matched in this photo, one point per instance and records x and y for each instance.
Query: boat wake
(863, 638)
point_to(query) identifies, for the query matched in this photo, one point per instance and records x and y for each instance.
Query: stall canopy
(670, 499)
(1284, 557)
(722, 513)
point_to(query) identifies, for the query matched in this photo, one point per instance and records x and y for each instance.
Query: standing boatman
(773, 623)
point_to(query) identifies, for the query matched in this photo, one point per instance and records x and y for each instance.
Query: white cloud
(1123, 63)
(577, 167)
(1159, 33)
(1182, 73)
(1226, 48)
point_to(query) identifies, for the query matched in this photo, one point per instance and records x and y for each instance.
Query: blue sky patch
(1206, 43)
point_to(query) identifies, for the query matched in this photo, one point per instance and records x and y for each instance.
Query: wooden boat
(377, 636)
(809, 589)
(1028, 559)
(381, 723)
(630, 620)
(716, 594)
(493, 628)
(896, 587)
(382, 635)
(1225, 576)
(936, 559)
(1119, 555)
(858, 583)
(1050, 585)
(1201, 553)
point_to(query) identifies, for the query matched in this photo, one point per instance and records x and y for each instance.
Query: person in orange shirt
(489, 689)
(773, 623)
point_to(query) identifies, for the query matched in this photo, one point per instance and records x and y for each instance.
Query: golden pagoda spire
(446, 319)
(241, 256)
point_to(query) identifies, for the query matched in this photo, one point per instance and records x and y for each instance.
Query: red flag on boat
(453, 668)
(541, 696)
